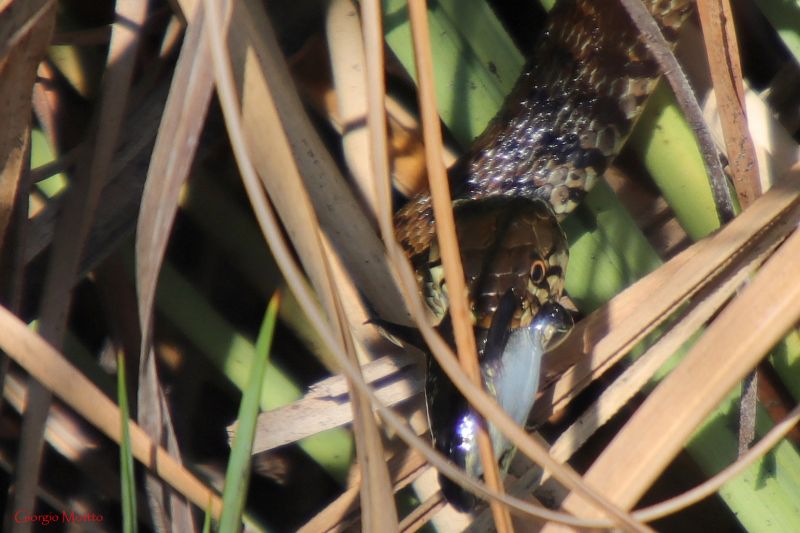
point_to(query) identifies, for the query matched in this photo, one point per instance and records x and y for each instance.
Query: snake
(565, 120)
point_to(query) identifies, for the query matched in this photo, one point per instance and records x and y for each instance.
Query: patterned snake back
(566, 119)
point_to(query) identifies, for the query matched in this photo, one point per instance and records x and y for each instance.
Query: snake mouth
(555, 323)
(510, 361)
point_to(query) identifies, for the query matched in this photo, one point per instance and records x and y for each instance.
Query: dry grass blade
(726, 352)
(300, 222)
(376, 112)
(184, 116)
(67, 440)
(22, 48)
(674, 74)
(73, 230)
(340, 513)
(182, 122)
(448, 245)
(52, 370)
(25, 33)
(119, 203)
(347, 57)
(378, 511)
(702, 307)
(610, 332)
(722, 49)
(22, 20)
(340, 215)
(327, 404)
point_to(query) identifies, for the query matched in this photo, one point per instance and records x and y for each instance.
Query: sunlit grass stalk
(237, 477)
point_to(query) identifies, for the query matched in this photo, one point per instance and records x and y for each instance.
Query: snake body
(566, 119)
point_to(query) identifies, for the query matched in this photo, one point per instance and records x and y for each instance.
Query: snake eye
(538, 271)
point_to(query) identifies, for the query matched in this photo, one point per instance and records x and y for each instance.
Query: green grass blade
(669, 151)
(237, 477)
(785, 18)
(207, 522)
(130, 522)
(233, 354)
(786, 361)
(42, 154)
(214, 209)
(764, 496)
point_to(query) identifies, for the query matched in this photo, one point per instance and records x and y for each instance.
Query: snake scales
(566, 119)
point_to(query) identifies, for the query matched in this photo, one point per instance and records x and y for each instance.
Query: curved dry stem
(710, 370)
(376, 490)
(448, 244)
(712, 485)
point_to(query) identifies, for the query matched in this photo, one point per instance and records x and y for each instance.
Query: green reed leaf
(130, 523)
(237, 477)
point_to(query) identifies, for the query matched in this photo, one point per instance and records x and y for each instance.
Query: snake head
(507, 244)
(514, 255)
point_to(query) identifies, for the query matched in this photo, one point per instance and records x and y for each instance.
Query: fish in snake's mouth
(515, 256)
(510, 367)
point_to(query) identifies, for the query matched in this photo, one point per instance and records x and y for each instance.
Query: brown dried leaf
(340, 215)
(609, 333)
(24, 35)
(73, 229)
(178, 134)
(327, 405)
(729, 349)
(722, 49)
(53, 371)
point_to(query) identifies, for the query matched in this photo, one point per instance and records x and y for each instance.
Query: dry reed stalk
(182, 122)
(725, 353)
(301, 224)
(52, 370)
(448, 245)
(72, 231)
